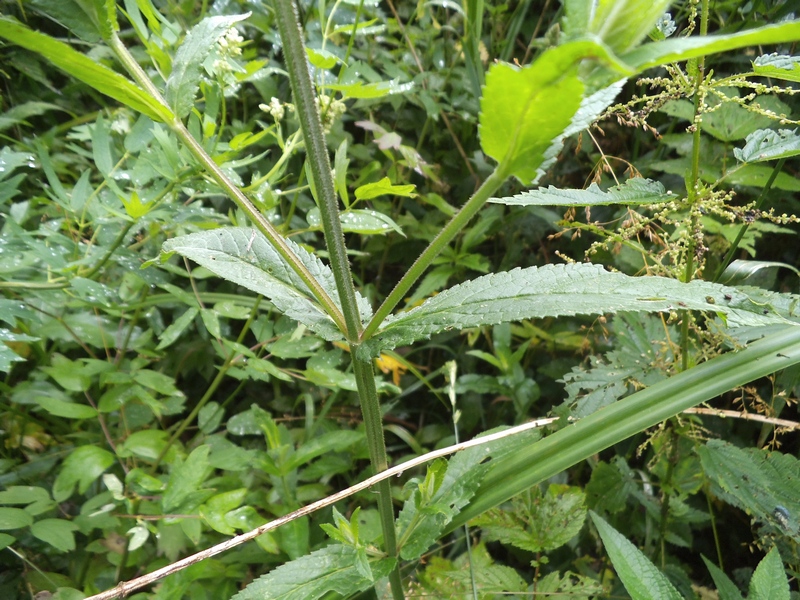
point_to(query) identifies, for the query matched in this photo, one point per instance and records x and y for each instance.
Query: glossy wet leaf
(184, 80)
(384, 187)
(768, 144)
(371, 90)
(366, 222)
(556, 290)
(641, 578)
(85, 69)
(633, 191)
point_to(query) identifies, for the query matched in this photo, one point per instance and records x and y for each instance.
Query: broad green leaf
(769, 579)
(633, 191)
(85, 69)
(592, 434)
(83, 467)
(6, 540)
(760, 483)
(146, 444)
(331, 569)
(57, 532)
(377, 89)
(778, 66)
(679, 49)
(322, 59)
(767, 144)
(384, 187)
(556, 290)
(186, 478)
(431, 507)
(245, 257)
(24, 494)
(14, 518)
(536, 521)
(726, 589)
(366, 222)
(524, 109)
(641, 578)
(332, 441)
(610, 486)
(67, 410)
(69, 14)
(184, 80)
(7, 355)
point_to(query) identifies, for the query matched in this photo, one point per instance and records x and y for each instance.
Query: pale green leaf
(558, 290)
(384, 187)
(85, 69)
(639, 576)
(331, 569)
(322, 59)
(67, 410)
(184, 80)
(366, 222)
(6, 540)
(82, 467)
(245, 257)
(633, 191)
(371, 90)
(767, 144)
(24, 494)
(769, 579)
(778, 66)
(684, 48)
(57, 532)
(622, 24)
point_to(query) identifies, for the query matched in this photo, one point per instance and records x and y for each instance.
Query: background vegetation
(151, 409)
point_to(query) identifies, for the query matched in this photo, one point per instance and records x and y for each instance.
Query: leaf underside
(633, 191)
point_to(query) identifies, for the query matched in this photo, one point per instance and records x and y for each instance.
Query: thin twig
(126, 587)
(734, 414)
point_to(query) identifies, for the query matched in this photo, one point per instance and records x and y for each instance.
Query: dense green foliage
(178, 368)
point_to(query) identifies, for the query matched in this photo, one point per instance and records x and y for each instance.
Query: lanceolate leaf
(778, 66)
(767, 144)
(633, 191)
(332, 569)
(641, 577)
(678, 49)
(184, 81)
(85, 69)
(557, 290)
(617, 422)
(245, 257)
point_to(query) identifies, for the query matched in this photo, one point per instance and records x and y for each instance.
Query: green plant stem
(692, 184)
(759, 203)
(319, 163)
(116, 244)
(242, 201)
(442, 239)
(308, 112)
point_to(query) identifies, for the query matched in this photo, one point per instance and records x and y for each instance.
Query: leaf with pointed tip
(725, 587)
(560, 290)
(678, 49)
(767, 144)
(633, 191)
(331, 569)
(778, 66)
(639, 576)
(245, 257)
(184, 81)
(769, 579)
(85, 69)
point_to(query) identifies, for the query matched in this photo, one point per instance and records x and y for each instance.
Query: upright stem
(319, 161)
(691, 187)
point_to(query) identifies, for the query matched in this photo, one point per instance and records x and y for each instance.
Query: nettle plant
(526, 113)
